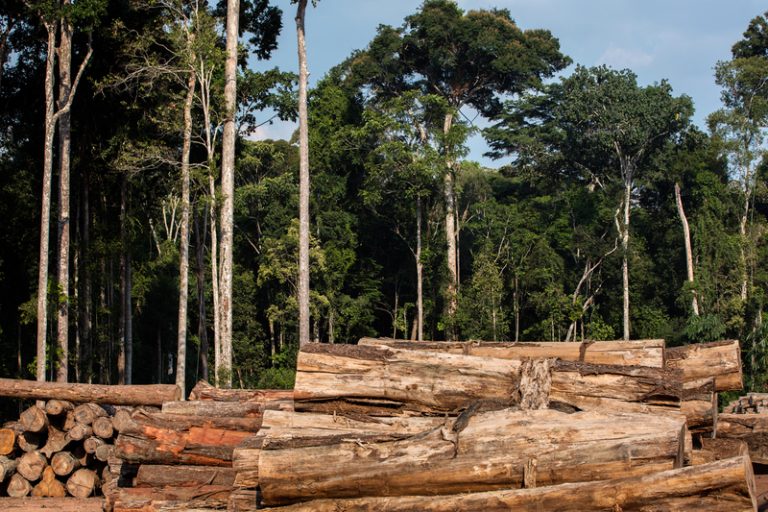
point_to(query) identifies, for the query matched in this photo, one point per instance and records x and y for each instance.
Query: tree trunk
(65, 83)
(177, 499)
(485, 451)
(182, 476)
(202, 325)
(45, 216)
(181, 339)
(625, 256)
(419, 275)
(86, 319)
(688, 251)
(149, 394)
(719, 359)
(215, 291)
(224, 371)
(303, 287)
(450, 237)
(722, 486)
(204, 391)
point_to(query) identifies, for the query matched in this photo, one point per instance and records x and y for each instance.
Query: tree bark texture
(688, 250)
(721, 486)
(272, 398)
(623, 353)
(719, 359)
(303, 287)
(487, 451)
(449, 196)
(750, 428)
(141, 394)
(157, 476)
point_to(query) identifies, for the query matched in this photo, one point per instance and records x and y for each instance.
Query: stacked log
(180, 457)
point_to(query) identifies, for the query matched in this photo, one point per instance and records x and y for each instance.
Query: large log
(34, 419)
(31, 465)
(750, 428)
(64, 463)
(142, 499)
(7, 441)
(622, 353)
(83, 483)
(486, 451)
(722, 486)
(719, 359)
(151, 475)
(144, 394)
(272, 398)
(384, 380)
(127, 422)
(699, 405)
(50, 504)
(718, 449)
(103, 428)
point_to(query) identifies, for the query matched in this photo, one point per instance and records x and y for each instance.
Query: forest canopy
(615, 216)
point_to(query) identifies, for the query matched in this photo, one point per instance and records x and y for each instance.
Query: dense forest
(616, 218)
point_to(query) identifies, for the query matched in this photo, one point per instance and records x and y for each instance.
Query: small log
(722, 486)
(18, 487)
(622, 353)
(64, 463)
(49, 504)
(83, 483)
(79, 432)
(272, 398)
(92, 444)
(34, 419)
(242, 500)
(7, 468)
(750, 428)
(718, 449)
(144, 499)
(486, 451)
(719, 359)
(31, 465)
(151, 475)
(103, 428)
(30, 441)
(211, 409)
(49, 487)
(57, 441)
(7, 441)
(86, 414)
(104, 452)
(152, 394)
(68, 420)
(58, 407)
(699, 405)
(127, 422)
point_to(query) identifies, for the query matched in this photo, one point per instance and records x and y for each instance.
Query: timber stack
(59, 448)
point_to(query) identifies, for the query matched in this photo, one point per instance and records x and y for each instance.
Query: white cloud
(621, 58)
(277, 130)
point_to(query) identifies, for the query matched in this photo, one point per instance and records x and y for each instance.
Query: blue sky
(677, 40)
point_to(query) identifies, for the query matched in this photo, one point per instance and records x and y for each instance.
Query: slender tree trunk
(202, 327)
(65, 84)
(625, 256)
(303, 288)
(215, 284)
(450, 237)
(516, 305)
(127, 299)
(743, 233)
(419, 275)
(688, 251)
(86, 300)
(181, 339)
(224, 370)
(122, 322)
(45, 216)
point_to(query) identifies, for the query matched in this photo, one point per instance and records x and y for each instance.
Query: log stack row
(181, 454)
(394, 425)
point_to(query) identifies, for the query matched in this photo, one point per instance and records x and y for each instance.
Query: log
(211, 409)
(30, 441)
(83, 483)
(31, 465)
(49, 487)
(699, 405)
(622, 353)
(58, 407)
(55, 442)
(103, 428)
(485, 451)
(92, 444)
(79, 432)
(34, 419)
(7, 441)
(242, 500)
(750, 428)
(143, 394)
(64, 463)
(194, 446)
(722, 486)
(86, 414)
(7, 468)
(143, 499)
(718, 449)
(151, 475)
(49, 504)
(18, 486)
(719, 359)
(126, 422)
(272, 398)
(384, 381)
(104, 452)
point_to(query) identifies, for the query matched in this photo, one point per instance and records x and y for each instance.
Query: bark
(34, 419)
(718, 449)
(450, 237)
(487, 451)
(79, 432)
(202, 326)
(722, 486)
(181, 339)
(139, 420)
(688, 251)
(622, 353)
(699, 405)
(625, 256)
(224, 370)
(48, 504)
(211, 409)
(103, 428)
(303, 285)
(7, 468)
(271, 397)
(65, 79)
(87, 413)
(719, 359)
(215, 291)
(189, 499)
(45, 216)
(142, 394)
(123, 373)
(182, 476)
(91, 444)
(56, 441)
(57, 407)
(750, 428)
(85, 321)
(419, 275)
